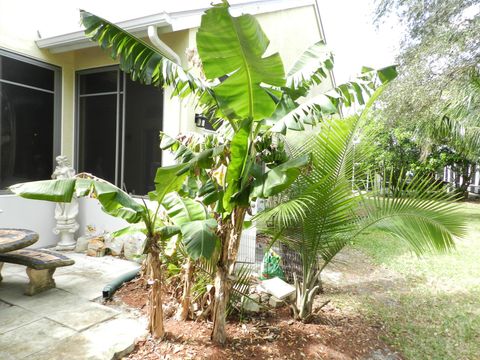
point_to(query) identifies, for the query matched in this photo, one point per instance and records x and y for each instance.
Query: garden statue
(65, 213)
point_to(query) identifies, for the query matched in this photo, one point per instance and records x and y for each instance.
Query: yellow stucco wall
(290, 32)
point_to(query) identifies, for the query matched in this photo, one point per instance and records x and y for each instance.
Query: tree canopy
(439, 56)
(436, 98)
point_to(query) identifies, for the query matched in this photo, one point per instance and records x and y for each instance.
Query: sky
(354, 40)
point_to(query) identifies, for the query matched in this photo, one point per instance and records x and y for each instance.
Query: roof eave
(77, 40)
(166, 22)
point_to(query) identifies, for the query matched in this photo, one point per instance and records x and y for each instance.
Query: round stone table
(14, 239)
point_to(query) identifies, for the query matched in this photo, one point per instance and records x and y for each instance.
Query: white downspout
(173, 56)
(160, 45)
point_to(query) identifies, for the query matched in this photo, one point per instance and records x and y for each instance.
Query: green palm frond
(286, 213)
(310, 69)
(142, 61)
(319, 213)
(240, 289)
(419, 212)
(294, 116)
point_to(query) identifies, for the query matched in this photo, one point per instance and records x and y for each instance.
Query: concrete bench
(41, 264)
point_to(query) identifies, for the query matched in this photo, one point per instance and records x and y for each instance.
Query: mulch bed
(269, 335)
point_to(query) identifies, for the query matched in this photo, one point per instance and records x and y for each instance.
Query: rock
(133, 247)
(382, 354)
(96, 247)
(251, 303)
(115, 245)
(275, 302)
(259, 288)
(278, 288)
(168, 310)
(82, 243)
(264, 297)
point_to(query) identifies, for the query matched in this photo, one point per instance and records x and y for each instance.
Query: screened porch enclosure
(118, 121)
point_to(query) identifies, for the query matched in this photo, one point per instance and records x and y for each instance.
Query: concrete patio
(68, 322)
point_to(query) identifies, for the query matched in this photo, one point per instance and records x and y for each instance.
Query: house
(61, 94)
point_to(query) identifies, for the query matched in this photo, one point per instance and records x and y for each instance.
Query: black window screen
(119, 121)
(27, 121)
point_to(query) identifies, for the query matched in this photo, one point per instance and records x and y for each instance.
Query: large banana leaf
(197, 228)
(167, 180)
(60, 190)
(239, 150)
(199, 238)
(139, 59)
(182, 210)
(280, 177)
(114, 201)
(234, 47)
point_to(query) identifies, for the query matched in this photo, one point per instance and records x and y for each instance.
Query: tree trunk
(184, 308)
(155, 309)
(230, 234)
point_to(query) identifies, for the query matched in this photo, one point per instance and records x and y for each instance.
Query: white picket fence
(449, 176)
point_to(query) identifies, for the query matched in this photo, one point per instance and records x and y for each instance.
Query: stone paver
(14, 317)
(108, 340)
(42, 303)
(4, 305)
(87, 284)
(64, 323)
(85, 315)
(26, 340)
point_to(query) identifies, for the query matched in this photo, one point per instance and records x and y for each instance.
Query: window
(29, 119)
(119, 122)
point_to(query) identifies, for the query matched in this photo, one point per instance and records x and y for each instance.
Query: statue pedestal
(66, 231)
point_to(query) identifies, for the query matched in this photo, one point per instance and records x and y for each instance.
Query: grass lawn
(436, 315)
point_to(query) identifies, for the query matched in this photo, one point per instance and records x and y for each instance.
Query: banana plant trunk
(155, 309)
(184, 309)
(230, 234)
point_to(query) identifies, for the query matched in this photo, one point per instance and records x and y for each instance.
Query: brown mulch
(273, 334)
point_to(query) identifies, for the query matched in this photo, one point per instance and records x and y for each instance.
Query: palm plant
(322, 214)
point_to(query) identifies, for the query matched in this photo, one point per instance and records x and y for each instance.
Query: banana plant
(190, 220)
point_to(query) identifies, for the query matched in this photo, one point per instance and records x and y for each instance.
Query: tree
(439, 66)
(251, 93)
(322, 214)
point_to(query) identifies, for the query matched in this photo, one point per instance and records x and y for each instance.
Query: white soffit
(167, 22)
